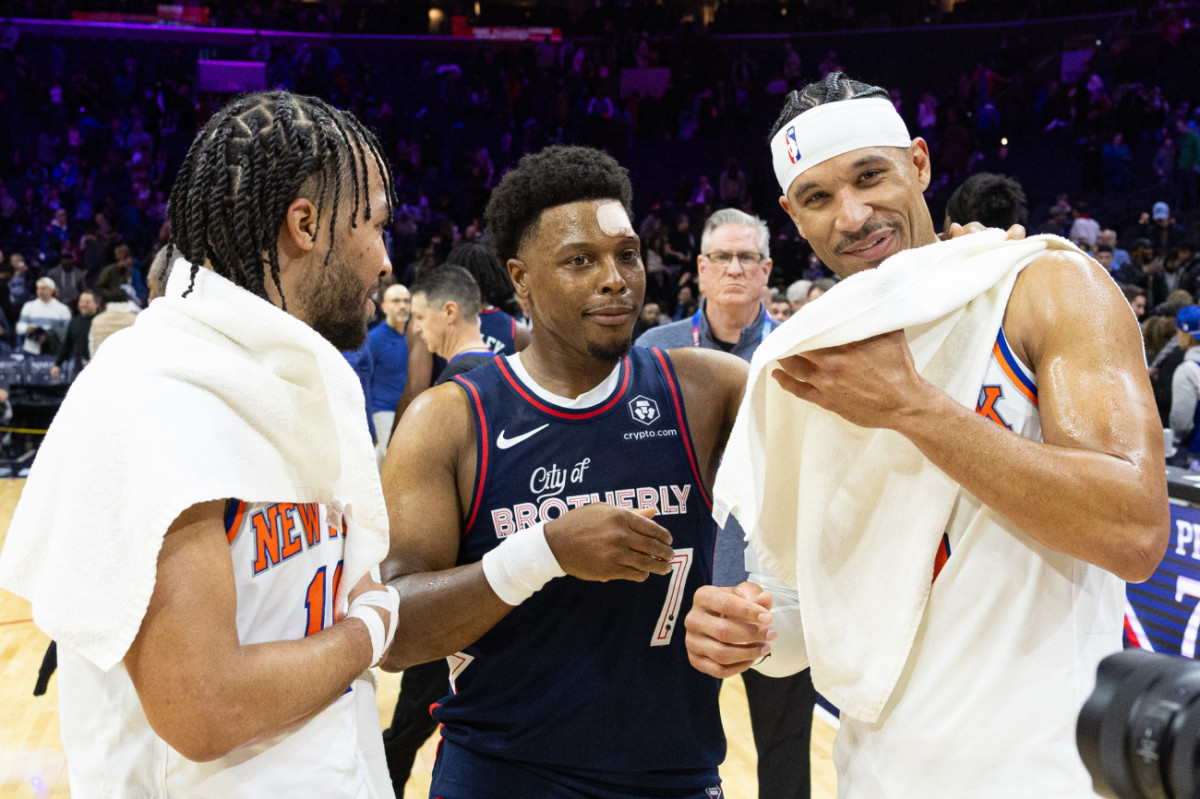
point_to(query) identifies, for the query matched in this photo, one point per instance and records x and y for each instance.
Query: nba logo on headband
(793, 146)
(828, 130)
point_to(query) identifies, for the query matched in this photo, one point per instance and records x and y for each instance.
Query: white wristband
(360, 609)
(521, 565)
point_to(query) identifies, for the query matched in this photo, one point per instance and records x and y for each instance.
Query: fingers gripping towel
(216, 395)
(851, 516)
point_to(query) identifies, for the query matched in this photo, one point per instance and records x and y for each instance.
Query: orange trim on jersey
(1014, 374)
(236, 524)
(941, 557)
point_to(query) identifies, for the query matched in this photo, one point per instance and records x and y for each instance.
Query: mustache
(869, 228)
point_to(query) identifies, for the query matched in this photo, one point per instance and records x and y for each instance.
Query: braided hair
(253, 158)
(832, 88)
(484, 266)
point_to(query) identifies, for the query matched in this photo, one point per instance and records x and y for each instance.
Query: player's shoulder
(708, 371)
(1065, 296)
(1066, 281)
(441, 415)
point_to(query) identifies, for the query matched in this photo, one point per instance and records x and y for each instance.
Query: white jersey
(287, 562)
(1003, 660)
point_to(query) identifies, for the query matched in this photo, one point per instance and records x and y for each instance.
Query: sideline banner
(1163, 613)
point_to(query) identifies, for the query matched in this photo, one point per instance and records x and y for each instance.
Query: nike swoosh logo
(505, 443)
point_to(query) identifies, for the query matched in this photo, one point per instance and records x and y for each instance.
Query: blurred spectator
(685, 303)
(733, 184)
(992, 200)
(119, 313)
(1116, 157)
(43, 321)
(1121, 260)
(360, 361)
(68, 278)
(1185, 386)
(780, 308)
(797, 294)
(703, 194)
(124, 274)
(389, 359)
(1158, 226)
(1057, 223)
(1174, 275)
(1136, 295)
(1084, 229)
(75, 345)
(650, 317)
(819, 287)
(1163, 165)
(680, 250)
(20, 285)
(1186, 165)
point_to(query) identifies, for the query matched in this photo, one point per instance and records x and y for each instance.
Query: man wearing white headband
(1055, 491)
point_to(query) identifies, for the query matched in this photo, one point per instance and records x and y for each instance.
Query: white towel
(852, 517)
(219, 394)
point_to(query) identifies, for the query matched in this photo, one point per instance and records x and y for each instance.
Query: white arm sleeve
(788, 652)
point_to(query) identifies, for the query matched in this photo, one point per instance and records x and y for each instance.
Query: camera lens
(1138, 732)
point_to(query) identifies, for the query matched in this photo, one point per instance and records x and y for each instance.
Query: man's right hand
(602, 542)
(729, 629)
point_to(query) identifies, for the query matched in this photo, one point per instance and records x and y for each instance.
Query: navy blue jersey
(585, 678)
(499, 331)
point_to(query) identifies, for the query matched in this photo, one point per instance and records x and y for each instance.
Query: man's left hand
(871, 383)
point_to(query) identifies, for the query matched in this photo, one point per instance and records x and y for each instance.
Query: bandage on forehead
(613, 220)
(832, 129)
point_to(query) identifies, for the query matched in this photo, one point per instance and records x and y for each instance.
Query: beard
(337, 306)
(611, 352)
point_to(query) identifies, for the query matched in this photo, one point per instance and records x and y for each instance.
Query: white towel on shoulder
(852, 517)
(216, 395)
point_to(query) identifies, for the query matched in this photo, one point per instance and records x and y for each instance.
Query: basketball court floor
(32, 764)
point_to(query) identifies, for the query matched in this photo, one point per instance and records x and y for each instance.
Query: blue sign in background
(1164, 612)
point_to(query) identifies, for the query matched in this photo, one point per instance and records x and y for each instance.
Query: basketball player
(1066, 447)
(499, 329)
(528, 557)
(188, 562)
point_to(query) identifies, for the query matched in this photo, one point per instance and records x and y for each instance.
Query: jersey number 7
(681, 564)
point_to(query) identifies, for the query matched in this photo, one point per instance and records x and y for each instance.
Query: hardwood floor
(32, 762)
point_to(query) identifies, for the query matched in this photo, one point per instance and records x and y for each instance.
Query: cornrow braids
(245, 168)
(832, 88)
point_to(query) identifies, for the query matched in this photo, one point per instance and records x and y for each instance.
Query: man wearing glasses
(734, 264)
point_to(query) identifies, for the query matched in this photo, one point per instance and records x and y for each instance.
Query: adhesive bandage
(613, 220)
(381, 638)
(831, 129)
(521, 565)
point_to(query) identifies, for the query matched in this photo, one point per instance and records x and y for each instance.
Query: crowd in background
(91, 139)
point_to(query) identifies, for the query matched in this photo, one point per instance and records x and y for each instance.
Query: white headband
(831, 129)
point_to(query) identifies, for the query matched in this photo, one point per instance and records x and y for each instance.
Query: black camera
(1139, 732)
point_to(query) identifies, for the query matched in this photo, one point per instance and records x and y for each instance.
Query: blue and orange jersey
(589, 677)
(1008, 397)
(287, 561)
